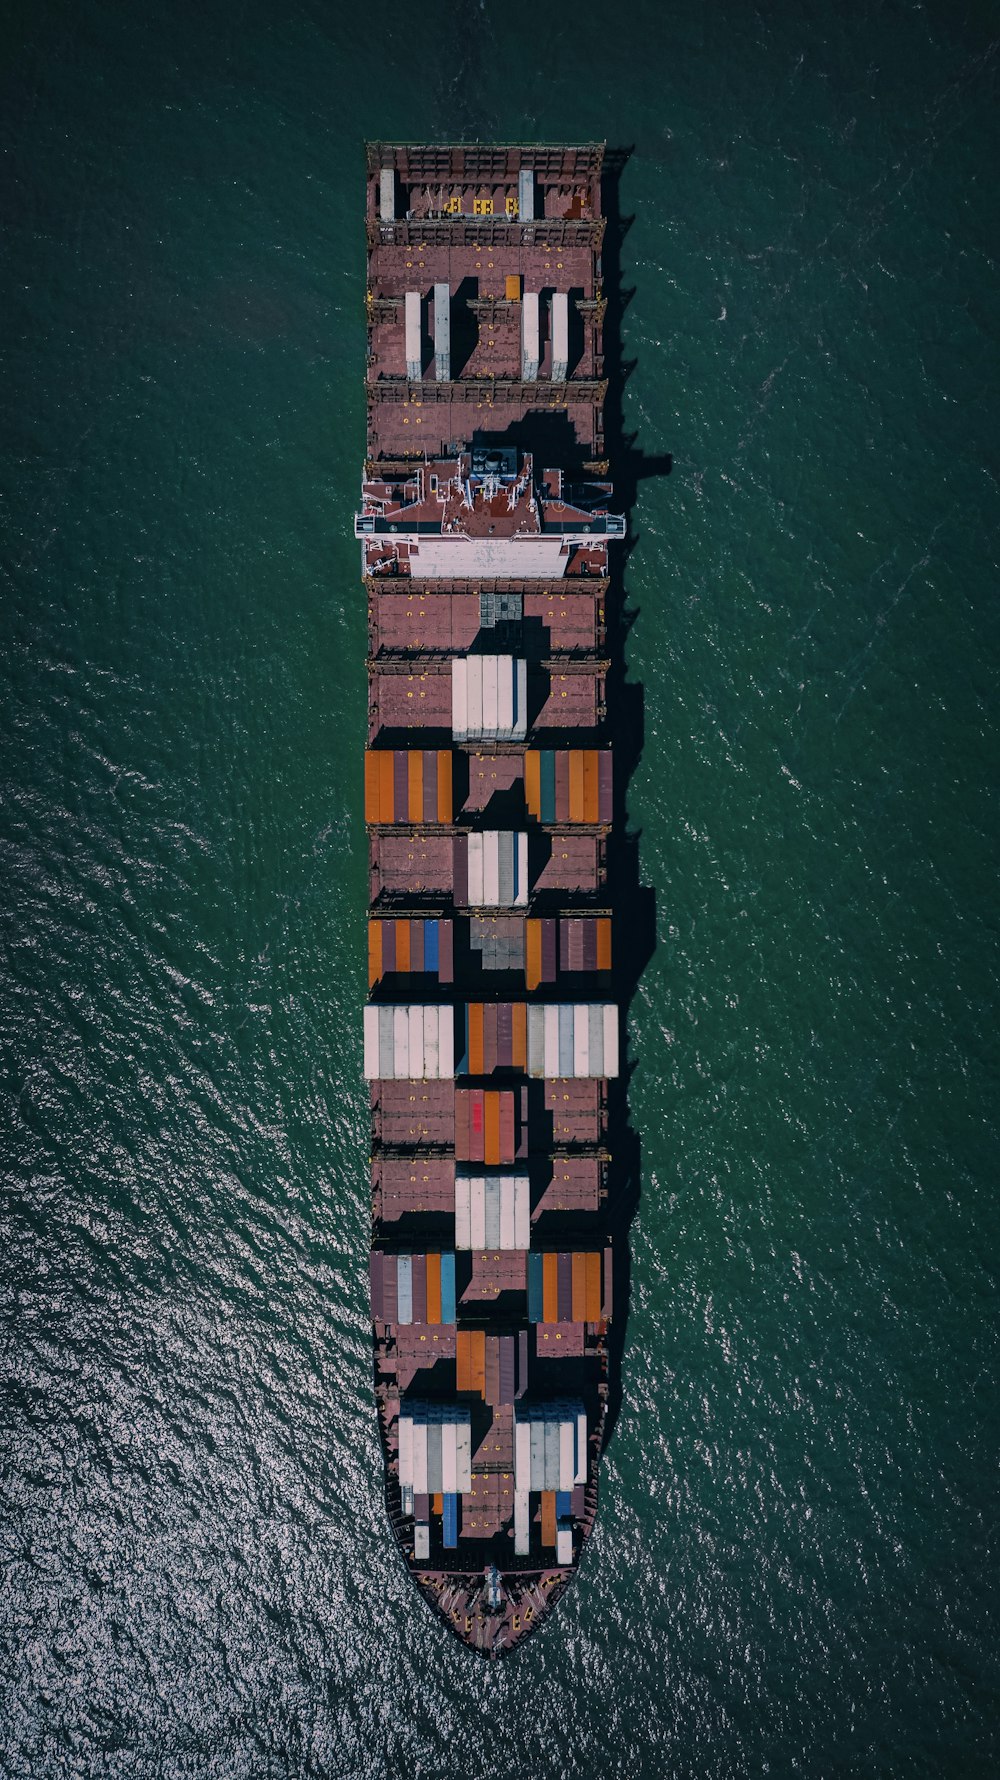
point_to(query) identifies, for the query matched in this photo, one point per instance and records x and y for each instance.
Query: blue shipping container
(449, 1532)
(431, 946)
(448, 1311)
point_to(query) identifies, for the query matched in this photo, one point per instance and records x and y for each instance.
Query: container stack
(492, 1029)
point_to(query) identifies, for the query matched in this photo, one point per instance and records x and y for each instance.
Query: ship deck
(489, 799)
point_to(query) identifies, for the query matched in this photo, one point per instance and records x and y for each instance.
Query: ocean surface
(794, 1571)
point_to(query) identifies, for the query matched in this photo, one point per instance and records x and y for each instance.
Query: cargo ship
(491, 1032)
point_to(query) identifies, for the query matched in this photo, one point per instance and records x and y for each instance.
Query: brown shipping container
(415, 787)
(507, 1140)
(576, 785)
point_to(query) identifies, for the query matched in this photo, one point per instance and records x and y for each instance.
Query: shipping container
(449, 1521)
(522, 1523)
(404, 1289)
(408, 785)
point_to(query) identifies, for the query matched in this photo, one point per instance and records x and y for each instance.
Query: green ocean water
(794, 1570)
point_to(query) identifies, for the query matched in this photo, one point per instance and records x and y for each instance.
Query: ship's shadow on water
(634, 903)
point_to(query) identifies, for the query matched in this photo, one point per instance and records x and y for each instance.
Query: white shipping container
(446, 1043)
(506, 844)
(459, 698)
(505, 695)
(552, 1069)
(522, 1523)
(463, 1223)
(536, 1039)
(385, 1041)
(567, 1455)
(420, 1458)
(581, 1041)
(551, 1455)
(491, 869)
(477, 1213)
(463, 1453)
(529, 336)
(522, 1456)
(564, 1545)
(537, 1475)
(449, 1458)
(415, 1042)
(475, 857)
(508, 1239)
(475, 685)
(560, 336)
(431, 1055)
(521, 714)
(371, 1044)
(581, 1446)
(442, 333)
(595, 1022)
(491, 714)
(400, 1044)
(491, 1186)
(405, 1451)
(522, 1211)
(610, 1040)
(414, 345)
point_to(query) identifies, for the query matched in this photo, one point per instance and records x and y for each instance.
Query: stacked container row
(408, 785)
(485, 1126)
(413, 1288)
(411, 947)
(435, 1448)
(567, 1288)
(491, 869)
(492, 1211)
(568, 785)
(489, 698)
(544, 1038)
(550, 1445)
(409, 1043)
(582, 942)
(494, 1366)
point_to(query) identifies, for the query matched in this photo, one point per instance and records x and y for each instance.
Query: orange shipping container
(434, 1288)
(591, 788)
(444, 787)
(437, 1503)
(604, 943)
(371, 786)
(533, 964)
(386, 812)
(550, 1288)
(475, 1038)
(548, 1517)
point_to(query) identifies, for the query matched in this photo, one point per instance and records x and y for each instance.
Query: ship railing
(496, 389)
(486, 231)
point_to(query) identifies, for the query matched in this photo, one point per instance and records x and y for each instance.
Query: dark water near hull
(793, 1571)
